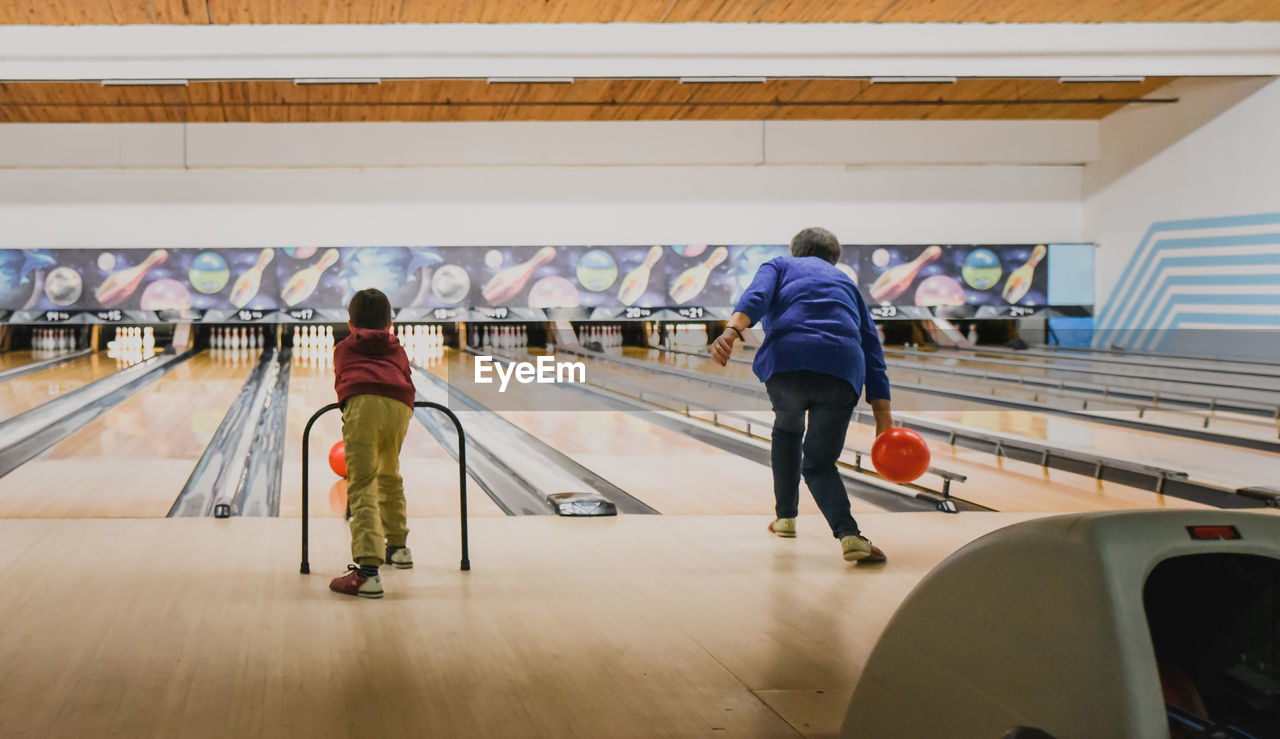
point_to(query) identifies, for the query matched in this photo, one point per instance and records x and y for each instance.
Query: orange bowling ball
(900, 455)
(338, 460)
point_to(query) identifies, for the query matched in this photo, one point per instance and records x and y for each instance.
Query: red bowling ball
(338, 460)
(900, 455)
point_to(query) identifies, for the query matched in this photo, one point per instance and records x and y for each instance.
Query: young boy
(376, 392)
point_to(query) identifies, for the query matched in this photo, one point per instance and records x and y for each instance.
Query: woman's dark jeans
(829, 402)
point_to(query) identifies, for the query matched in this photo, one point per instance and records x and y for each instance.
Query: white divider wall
(144, 185)
(1184, 204)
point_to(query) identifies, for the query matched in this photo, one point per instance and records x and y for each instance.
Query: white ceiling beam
(637, 50)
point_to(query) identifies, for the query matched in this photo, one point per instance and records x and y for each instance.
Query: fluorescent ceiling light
(1102, 79)
(521, 80)
(338, 81)
(912, 80)
(700, 80)
(122, 83)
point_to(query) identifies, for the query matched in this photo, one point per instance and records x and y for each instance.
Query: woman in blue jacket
(820, 350)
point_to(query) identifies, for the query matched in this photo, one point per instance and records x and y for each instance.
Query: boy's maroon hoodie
(372, 362)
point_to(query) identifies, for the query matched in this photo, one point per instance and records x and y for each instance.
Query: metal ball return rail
(462, 478)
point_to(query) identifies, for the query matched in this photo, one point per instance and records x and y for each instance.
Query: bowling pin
(1020, 281)
(510, 281)
(246, 285)
(692, 280)
(895, 280)
(328, 337)
(121, 284)
(972, 336)
(300, 287)
(149, 340)
(637, 280)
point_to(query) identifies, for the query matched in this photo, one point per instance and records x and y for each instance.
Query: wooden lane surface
(430, 474)
(1208, 370)
(21, 358)
(995, 482)
(1138, 380)
(1229, 424)
(134, 459)
(21, 394)
(663, 468)
(634, 626)
(1206, 461)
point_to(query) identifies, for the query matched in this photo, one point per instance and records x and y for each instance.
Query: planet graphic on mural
(63, 286)
(850, 271)
(166, 294)
(981, 269)
(880, 258)
(300, 252)
(553, 292)
(208, 272)
(689, 250)
(493, 259)
(597, 270)
(106, 261)
(450, 284)
(939, 290)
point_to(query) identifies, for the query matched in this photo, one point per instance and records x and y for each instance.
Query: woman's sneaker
(784, 527)
(860, 549)
(353, 583)
(400, 558)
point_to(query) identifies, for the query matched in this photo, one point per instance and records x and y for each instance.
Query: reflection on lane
(21, 394)
(134, 459)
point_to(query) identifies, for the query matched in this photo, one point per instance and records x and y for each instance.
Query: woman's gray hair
(816, 242)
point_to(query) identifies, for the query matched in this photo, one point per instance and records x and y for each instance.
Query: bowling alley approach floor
(635, 626)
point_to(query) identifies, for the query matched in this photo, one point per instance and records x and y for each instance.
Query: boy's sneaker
(860, 549)
(400, 558)
(784, 527)
(353, 583)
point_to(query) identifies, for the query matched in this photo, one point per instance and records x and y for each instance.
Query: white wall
(1184, 204)
(681, 182)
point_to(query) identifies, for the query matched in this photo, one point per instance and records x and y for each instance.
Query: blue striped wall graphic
(1205, 274)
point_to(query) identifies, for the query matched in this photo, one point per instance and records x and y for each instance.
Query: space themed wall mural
(456, 282)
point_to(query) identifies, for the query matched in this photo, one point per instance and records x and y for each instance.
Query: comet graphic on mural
(637, 280)
(247, 284)
(895, 280)
(510, 281)
(692, 280)
(1020, 280)
(303, 284)
(122, 283)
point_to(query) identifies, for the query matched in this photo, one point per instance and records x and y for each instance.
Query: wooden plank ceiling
(109, 12)
(583, 100)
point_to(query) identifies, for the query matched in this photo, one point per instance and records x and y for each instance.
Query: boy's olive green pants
(373, 429)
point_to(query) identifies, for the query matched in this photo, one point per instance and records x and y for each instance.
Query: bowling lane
(1219, 372)
(430, 474)
(693, 478)
(1135, 378)
(1205, 461)
(21, 394)
(995, 482)
(133, 460)
(21, 358)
